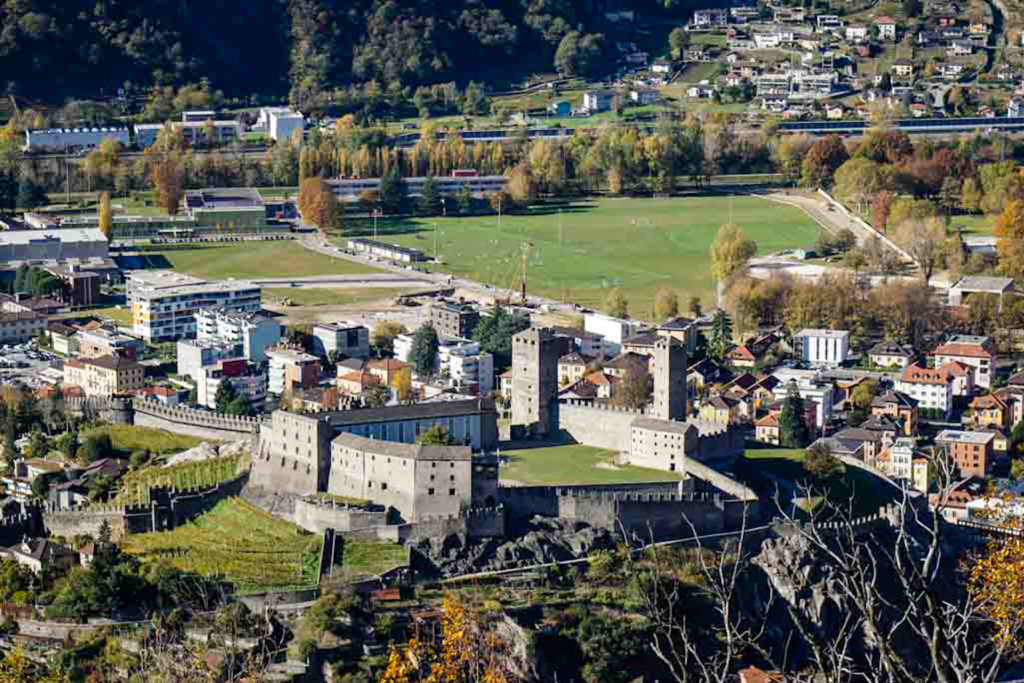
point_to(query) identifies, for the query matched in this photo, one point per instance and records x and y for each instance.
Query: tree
(394, 192)
(858, 180)
(1010, 244)
(384, 334)
(1017, 469)
(634, 388)
(95, 447)
(616, 304)
(924, 241)
(881, 207)
(320, 206)
(693, 307)
(912, 8)
(377, 396)
(169, 182)
(721, 335)
(823, 158)
(226, 393)
(31, 195)
(104, 215)
(730, 251)
(666, 304)
(403, 388)
(435, 436)
(521, 186)
(678, 40)
(819, 462)
(793, 432)
(424, 350)
(970, 195)
(494, 333)
(430, 199)
(578, 55)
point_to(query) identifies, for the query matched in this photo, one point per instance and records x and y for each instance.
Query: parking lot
(26, 363)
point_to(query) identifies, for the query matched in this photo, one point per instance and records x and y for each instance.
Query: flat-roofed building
(68, 139)
(207, 131)
(164, 303)
(104, 341)
(57, 245)
(391, 252)
(823, 348)
(254, 332)
(971, 451)
(454, 318)
(345, 338)
(971, 350)
(290, 369)
(16, 328)
(280, 122)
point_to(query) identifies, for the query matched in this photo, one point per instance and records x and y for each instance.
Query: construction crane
(518, 277)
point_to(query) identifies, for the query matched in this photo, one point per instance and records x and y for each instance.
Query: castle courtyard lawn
(589, 247)
(573, 464)
(255, 259)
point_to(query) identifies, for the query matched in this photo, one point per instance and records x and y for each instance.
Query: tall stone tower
(535, 381)
(669, 380)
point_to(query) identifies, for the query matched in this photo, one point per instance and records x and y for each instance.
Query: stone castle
(658, 436)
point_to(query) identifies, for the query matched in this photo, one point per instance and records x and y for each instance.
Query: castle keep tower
(535, 380)
(669, 402)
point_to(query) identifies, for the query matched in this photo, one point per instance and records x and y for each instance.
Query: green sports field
(580, 252)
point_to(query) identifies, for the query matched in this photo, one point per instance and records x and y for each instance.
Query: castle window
(430, 492)
(451, 492)
(383, 486)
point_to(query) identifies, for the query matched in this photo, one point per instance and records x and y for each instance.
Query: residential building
(721, 410)
(383, 250)
(165, 396)
(901, 459)
(20, 302)
(613, 330)
(63, 339)
(766, 429)
(164, 303)
(700, 375)
(253, 331)
(16, 328)
(886, 28)
(710, 18)
(280, 122)
(901, 407)
(962, 377)
(290, 369)
(683, 329)
(454, 318)
(661, 66)
(596, 101)
(823, 348)
(193, 356)
(889, 354)
(73, 139)
(971, 451)
(642, 96)
(971, 350)
(355, 382)
(467, 368)
(960, 48)
(585, 343)
(856, 33)
(390, 371)
(247, 379)
(932, 389)
(42, 555)
(344, 338)
(104, 376)
(903, 68)
(989, 411)
(106, 341)
(571, 368)
(1015, 108)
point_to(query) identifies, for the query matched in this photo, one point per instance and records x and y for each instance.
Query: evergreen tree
(225, 395)
(31, 195)
(465, 201)
(394, 193)
(721, 335)
(8, 190)
(239, 405)
(430, 200)
(424, 350)
(20, 276)
(793, 432)
(494, 333)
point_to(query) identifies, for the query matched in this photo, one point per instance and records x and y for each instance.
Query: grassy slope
(253, 259)
(638, 244)
(573, 464)
(361, 558)
(247, 546)
(128, 438)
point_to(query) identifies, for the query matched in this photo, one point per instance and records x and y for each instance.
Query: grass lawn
(128, 438)
(121, 316)
(574, 464)
(246, 546)
(640, 245)
(328, 296)
(980, 224)
(697, 72)
(364, 559)
(283, 258)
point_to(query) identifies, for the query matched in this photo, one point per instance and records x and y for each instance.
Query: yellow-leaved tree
(467, 652)
(105, 215)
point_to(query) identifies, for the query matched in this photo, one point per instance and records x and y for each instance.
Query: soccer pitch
(587, 248)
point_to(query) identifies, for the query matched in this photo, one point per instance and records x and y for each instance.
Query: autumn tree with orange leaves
(468, 652)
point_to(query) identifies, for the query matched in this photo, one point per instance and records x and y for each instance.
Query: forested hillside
(57, 48)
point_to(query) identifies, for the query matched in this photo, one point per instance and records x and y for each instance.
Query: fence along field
(239, 543)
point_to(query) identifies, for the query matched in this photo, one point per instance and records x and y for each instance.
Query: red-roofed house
(970, 350)
(931, 388)
(766, 429)
(355, 383)
(886, 28)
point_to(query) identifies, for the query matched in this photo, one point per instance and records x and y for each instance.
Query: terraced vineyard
(135, 487)
(239, 543)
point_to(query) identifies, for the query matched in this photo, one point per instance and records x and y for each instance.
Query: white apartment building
(931, 388)
(975, 351)
(280, 122)
(194, 132)
(63, 139)
(252, 386)
(461, 360)
(901, 459)
(254, 332)
(614, 330)
(292, 369)
(823, 348)
(164, 303)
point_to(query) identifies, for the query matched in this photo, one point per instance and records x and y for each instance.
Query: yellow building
(721, 410)
(390, 370)
(104, 376)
